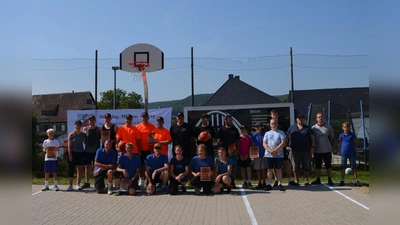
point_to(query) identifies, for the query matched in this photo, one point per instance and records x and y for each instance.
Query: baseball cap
(180, 114)
(107, 115)
(300, 116)
(145, 114)
(157, 145)
(92, 117)
(78, 122)
(128, 116)
(258, 124)
(160, 118)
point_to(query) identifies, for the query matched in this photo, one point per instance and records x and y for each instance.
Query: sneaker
(69, 188)
(275, 184)
(109, 191)
(264, 185)
(141, 183)
(306, 183)
(159, 187)
(357, 183)
(317, 181)
(86, 185)
(117, 193)
(259, 186)
(330, 182)
(244, 185)
(45, 188)
(228, 190)
(280, 187)
(341, 183)
(268, 188)
(249, 185)
(78, 186)
(164, 190)
(197, 190)
(234, 186)
(293, 183)
(183, 188)
(55, 187)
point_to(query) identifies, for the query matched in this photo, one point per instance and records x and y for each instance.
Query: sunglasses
(157, 148)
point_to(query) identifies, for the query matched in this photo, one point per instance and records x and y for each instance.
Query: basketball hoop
(138, 69)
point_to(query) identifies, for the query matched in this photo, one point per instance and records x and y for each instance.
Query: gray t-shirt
(322, 134)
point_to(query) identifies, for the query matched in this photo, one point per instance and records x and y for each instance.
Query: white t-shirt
(48, 143)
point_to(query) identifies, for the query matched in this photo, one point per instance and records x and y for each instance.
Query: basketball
(203, 136)
(349, 171)
(121, 146)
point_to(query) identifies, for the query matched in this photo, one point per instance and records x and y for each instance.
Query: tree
(123, 100)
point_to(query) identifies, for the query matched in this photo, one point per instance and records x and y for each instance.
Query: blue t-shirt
(258, 139)
(105, 158)
(223, 167)
(197, 162)
(130, 164)
(300, 140)
(274, 139)
(156, 163)
(347, 143)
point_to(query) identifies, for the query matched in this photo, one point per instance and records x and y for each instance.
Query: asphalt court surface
(314, 204)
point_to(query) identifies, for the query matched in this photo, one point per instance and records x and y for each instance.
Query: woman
(179, 170)
(199, 162)
(223, 170)
(76, 155)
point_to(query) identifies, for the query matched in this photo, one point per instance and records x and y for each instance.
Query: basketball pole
(146, 92)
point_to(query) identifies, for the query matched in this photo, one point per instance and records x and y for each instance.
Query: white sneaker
(141, 183)
(55, 187)
(110, 192)
(69, 188)
(45, 188)
(78, 186)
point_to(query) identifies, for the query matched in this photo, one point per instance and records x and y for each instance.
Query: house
(236, 92)
(51, 110)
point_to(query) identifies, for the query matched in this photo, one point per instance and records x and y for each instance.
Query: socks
(290, 179)
(109, 185)
(46, 183)
(269, 182)
(279, 183)
(55, 182)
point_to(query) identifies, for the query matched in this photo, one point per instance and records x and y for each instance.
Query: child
(348, 141)
(50, 146)
(244, 161)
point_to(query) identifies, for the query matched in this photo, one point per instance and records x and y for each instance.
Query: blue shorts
(50, 166)
(273, 163)
(352, 159)
(234, 159)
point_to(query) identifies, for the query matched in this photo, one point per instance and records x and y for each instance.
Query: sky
(63, 37)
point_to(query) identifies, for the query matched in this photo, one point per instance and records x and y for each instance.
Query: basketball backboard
(143, 53)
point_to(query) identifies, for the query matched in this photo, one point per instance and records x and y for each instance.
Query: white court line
(246, 202)
(340, 193)
(37, 193)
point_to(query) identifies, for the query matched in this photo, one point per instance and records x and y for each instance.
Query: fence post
(329, 112)
(309, 114)
(192, 68)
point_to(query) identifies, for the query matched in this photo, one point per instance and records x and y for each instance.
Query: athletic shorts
(234, 159)
(273, 163)
(352, 159)
(259, 164)
(89, 157)
(145, 153)
(99, 180)
(303, 158)
(326, 157)
(50, 166)
(156, 179)
(246, 163)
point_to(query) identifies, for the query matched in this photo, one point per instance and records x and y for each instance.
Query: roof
(341, 96)
(59, 104)
(236, 92)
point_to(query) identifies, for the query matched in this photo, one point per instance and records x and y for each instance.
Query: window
(63, 127)
(47, 113)
(54, 127)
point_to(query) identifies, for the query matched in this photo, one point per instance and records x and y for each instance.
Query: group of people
(128, 155)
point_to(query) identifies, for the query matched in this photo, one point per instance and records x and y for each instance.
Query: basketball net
(141, 75)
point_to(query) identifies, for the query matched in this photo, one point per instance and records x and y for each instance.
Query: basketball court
(314, 204)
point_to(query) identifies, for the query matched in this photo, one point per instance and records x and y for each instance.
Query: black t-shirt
(300, 140)
(179, 166)
(209, 144)
(93, 140)
(181, 136)
(228, 136)
(112, 135)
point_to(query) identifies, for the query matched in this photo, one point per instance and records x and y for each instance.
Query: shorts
(50, 166)
(156, 179)
(78, 159)
(99, 180)
(145, 153)
(274, 163)
(234, 159)
(220, 181)
(259, 164)
(119, 175)
(303, 158)
(326, 157)
(89, 158)
(244, 164)
(352, 159)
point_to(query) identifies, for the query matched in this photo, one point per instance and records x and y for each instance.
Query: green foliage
(124, 100)
(36, 155)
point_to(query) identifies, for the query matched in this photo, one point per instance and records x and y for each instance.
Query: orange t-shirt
(145, 129)
(163, 135)
(129, 134)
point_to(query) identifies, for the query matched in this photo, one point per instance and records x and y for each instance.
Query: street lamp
(115, 68)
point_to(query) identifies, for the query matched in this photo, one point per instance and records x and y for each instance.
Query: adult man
(128, 168)
(301, 141)
(104, 164)
(162, 135)
(157, 170)
(182, 134)
(129, 133)
(259, 163)
(229, 137)
(286, 162)
(93, 143)
(204, 126)
(323, 136)
(108, 131)
(145, 128)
